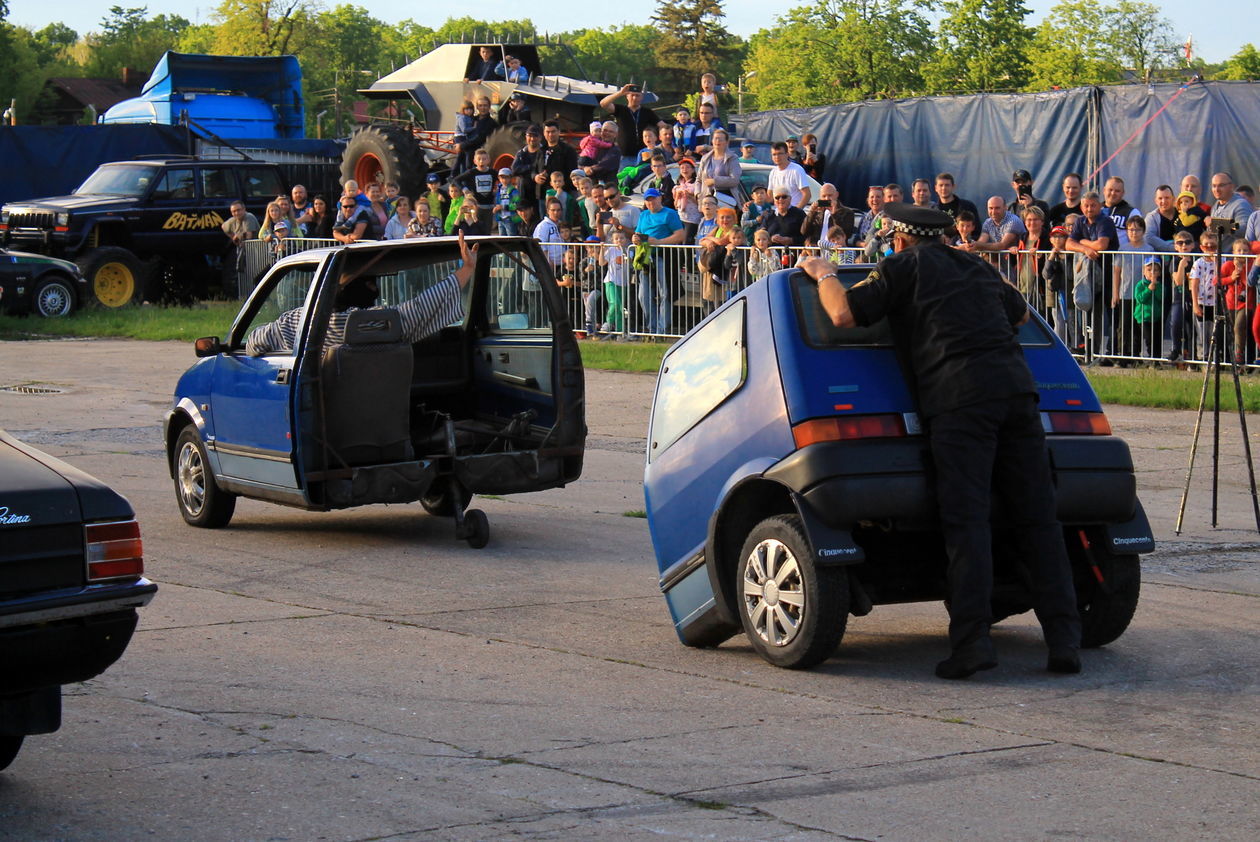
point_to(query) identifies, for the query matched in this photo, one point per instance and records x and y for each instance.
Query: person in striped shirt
(423, 316)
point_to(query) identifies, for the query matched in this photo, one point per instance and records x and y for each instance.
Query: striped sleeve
(430, 311)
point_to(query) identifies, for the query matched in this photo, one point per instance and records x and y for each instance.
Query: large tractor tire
(115, 276)
(503, 144)
(385, 153)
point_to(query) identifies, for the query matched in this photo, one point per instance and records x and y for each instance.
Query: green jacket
(1148, 304)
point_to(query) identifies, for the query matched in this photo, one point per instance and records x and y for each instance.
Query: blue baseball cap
(652, 193)
(433, 178)
(1151, 260)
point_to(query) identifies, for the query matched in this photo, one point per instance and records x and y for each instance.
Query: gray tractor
(397, 148)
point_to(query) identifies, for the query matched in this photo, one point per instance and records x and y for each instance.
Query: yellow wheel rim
(114, 285)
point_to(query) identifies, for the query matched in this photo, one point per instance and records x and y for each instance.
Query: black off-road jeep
(131, 222)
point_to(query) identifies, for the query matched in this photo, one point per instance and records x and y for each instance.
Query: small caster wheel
(476, 528)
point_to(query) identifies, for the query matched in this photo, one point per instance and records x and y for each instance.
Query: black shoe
(968, 660)
(1064, 659)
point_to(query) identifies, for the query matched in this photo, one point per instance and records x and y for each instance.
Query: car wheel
(1107, 607)
(54, 296)
(201, 501)
(476, 528)
(438, 500)
(9, 748)
(385, 153)
(793, 611)
(114, 275)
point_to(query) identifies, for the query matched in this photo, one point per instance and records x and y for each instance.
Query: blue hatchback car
(787, 481)
(491, 404)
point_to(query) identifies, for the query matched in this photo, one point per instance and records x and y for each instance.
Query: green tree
(692, 39)
(1140, 37)
(261, 27)
(1244, 64)
(615, 54)
(1069, 48)
(983, 46)
(839, 51)
(128, 38)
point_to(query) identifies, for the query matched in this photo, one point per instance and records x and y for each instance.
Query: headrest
(373, 326)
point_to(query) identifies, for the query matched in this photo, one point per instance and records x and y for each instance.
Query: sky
(1214, 24)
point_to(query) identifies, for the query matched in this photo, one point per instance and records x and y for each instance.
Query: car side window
(514, 299)
(217, 183)
(697, 376)
(285, 291)
(261, 183)
(175, 185)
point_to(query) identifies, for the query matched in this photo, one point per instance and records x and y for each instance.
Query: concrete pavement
(360, 675)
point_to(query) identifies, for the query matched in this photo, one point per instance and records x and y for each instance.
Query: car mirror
(208, 346)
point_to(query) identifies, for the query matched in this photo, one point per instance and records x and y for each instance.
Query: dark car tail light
(114, 550)
(848, 428)
(1079, 423)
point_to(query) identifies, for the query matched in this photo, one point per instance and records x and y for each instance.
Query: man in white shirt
(790, 175)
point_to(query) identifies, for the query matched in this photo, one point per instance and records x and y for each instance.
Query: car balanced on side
(787, 481)
(491, 404)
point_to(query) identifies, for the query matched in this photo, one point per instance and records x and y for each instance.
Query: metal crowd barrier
(244, 268)
(669, 293)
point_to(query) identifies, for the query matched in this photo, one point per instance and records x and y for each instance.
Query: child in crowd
(1203, 289)
(465, 123)
(965, 226)
(708, 92)
(617, 259)
(593, 145)
(569, 211)
(684, 132)
(480, 180)
(1180, 330)
(275, 228)
(713, 236)
(736, 267)
(1055, 272)
(435, 198)
(506, 198)
(591, 284)
(1240, 299)
(754, 209)
(456, 194)
(391, 195)
(1190, 214)
(1148, 306)
(686, 202)
(1125, 274)
(661, 180)
(762, 259)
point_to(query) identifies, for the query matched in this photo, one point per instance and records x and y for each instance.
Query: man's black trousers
(997, 448)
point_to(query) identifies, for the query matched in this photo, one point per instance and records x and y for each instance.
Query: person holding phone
(828, 222)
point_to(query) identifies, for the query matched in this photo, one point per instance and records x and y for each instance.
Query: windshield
(118, 180)
(819, 332)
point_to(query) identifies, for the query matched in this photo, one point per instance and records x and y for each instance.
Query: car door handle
(282, 376)
(517, 380)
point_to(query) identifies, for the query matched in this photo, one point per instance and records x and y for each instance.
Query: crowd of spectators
(1114, 282)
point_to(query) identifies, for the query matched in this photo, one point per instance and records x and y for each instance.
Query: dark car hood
(39, 490)
(94, 201)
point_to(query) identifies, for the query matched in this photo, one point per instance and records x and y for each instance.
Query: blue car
(787, 481)
(490, 404)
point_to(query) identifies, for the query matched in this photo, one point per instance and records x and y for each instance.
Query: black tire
(777, 553)
(1107, 607)
(503, 144)
(54, 296)
(9, 748)
(201, 502)
(478, 527)
(438, 500)
(115, 276)
(385, 153)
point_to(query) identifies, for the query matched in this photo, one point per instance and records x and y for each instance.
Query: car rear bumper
(889, 480)
(63, 637)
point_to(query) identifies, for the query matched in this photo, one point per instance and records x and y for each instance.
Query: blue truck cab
(787, 481)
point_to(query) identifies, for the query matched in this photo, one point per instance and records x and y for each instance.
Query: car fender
(1132, 537)
(184, 409)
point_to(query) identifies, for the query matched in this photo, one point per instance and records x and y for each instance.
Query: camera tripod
(1218, 351)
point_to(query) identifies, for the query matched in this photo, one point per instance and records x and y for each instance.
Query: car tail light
(848, 428)
(1079, 423)
(114, 550)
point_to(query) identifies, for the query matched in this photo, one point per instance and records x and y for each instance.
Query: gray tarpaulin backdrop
(983, 138)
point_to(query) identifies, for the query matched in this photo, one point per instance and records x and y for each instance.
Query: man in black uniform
(954, 323)
(632, 118)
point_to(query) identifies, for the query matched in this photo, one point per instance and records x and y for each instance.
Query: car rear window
(818, 331)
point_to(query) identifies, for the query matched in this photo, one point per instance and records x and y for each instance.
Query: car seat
(367, 387)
